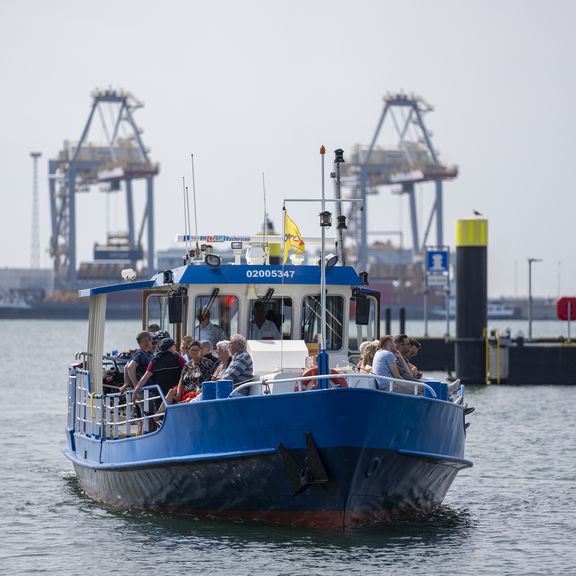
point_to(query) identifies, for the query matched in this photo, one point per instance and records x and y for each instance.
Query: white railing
(111, 416)
(121, 417)
(114, 416)
(393, 384)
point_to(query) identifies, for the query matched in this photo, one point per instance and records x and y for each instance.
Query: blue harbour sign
(437, 261)
(437, 267)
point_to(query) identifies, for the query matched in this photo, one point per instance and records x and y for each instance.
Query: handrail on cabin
(391, 382)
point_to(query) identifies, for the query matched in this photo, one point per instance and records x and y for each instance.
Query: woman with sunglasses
(197, 370)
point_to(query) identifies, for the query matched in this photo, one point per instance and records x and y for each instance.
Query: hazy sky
(257, 86)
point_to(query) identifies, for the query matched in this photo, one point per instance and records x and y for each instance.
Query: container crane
(411, 160)
(79, 167)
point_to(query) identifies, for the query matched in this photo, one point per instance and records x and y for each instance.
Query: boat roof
(123, 287)
(238, 274)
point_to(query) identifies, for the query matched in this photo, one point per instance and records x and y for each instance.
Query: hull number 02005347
(269, 273)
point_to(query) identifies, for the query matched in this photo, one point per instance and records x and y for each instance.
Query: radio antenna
(264, 230)
(186, 217)
(195, 209)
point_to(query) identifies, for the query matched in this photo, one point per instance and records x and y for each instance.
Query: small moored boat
(496, 309)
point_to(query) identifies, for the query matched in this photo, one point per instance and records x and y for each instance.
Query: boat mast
(340, 218)
(324, 222)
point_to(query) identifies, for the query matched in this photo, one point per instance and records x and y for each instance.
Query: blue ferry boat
(307, 442)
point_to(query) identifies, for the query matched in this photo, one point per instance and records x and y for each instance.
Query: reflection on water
(442, 524)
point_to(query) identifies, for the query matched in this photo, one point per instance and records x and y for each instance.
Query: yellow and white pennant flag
(292, 238)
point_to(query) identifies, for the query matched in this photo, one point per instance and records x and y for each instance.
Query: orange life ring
(313, 384)
(341, 382)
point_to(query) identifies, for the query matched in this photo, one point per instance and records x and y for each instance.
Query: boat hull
(379, 457)
(384, 486)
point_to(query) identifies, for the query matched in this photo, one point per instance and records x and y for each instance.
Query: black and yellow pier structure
(471, 299)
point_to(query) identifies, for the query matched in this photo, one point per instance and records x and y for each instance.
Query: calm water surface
(514, 512)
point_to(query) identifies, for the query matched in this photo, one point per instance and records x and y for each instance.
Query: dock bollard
(402, 321)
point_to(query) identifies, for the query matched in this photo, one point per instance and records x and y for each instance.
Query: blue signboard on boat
(241, 274)
(247, 274)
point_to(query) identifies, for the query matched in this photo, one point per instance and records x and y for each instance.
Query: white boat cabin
(228, 296)
(276, 308)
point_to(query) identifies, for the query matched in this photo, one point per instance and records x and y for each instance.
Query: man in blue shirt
(139, 361)
(385, 362)
(137, 366)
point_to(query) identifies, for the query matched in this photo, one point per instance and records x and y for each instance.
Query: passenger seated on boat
(224, 359)
(366, 363)
(165, 368)
(385, 361)
(196, 371)
(152, 328)
(402, 348)
(240, 369)
(139, 361)
(184, 345)
(205, 330)
(260, 328)
(206, 351)
(157, 337)
(412, 351)
(363, 346)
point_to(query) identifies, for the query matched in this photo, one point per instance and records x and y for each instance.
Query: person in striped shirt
(240, 368)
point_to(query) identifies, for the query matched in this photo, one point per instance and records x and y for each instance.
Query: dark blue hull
(334, 458)
(385, 486)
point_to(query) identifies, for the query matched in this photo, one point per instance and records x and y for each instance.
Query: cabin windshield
(270, 319)
(312, 316)
(215, 317)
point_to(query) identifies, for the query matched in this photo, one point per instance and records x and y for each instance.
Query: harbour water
(514, 512)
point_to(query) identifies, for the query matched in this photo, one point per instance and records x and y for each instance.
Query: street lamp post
(530, 262)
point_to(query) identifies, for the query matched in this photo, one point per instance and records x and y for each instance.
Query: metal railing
(114, 416)
(110, 416)
(395, 385)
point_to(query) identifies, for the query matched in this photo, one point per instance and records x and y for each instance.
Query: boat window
(359, 333)
(215, 318)
(311, 320)
(270, 319)
(157, 311)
